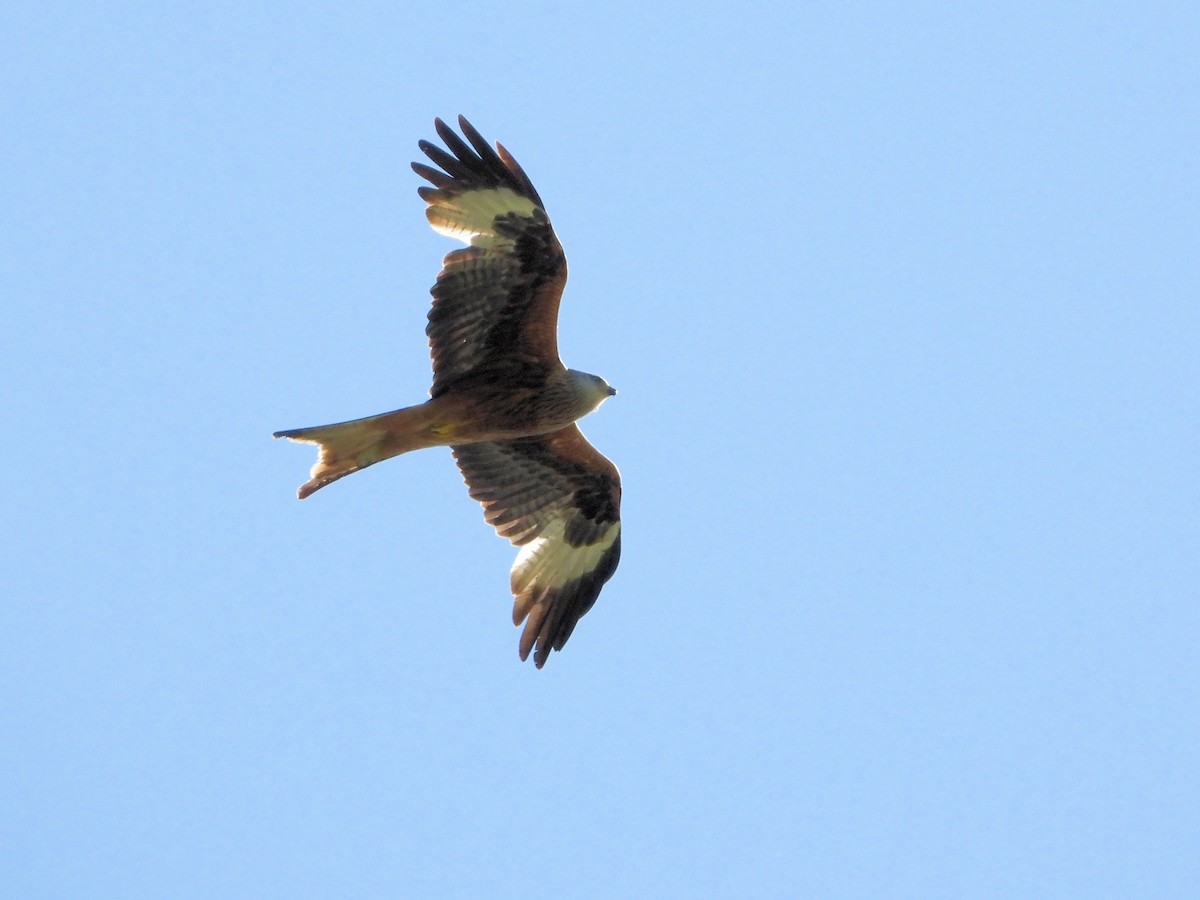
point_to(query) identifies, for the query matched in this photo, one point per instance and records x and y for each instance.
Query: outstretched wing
(495, 303)
(559, 500)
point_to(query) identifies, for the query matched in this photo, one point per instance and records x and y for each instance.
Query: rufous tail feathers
(346, 447)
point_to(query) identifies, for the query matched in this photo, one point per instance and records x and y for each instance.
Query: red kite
(502, 400)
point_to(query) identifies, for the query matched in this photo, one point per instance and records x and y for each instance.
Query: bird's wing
(559, 500)
(495, 303)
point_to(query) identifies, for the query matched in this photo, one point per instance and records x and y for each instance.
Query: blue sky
(901, 302)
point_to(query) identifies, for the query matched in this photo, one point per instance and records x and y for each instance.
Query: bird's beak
(612, 391)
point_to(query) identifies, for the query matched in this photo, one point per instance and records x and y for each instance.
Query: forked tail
(346, 447)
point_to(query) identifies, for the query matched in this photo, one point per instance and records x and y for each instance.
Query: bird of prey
(502, 400)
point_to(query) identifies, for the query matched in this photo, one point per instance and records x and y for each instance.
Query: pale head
(589, 390)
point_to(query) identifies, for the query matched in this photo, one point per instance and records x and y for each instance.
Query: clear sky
(901, 302)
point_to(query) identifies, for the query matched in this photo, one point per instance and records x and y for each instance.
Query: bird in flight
(502, 400)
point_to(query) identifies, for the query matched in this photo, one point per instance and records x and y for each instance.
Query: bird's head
(592, 388)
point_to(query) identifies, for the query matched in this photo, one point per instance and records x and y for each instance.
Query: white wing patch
(469, 217)
(548, 561)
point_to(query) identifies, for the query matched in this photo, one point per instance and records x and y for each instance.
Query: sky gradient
(901, 303)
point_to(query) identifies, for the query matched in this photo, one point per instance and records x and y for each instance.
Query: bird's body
(501, 397)
(471, 411)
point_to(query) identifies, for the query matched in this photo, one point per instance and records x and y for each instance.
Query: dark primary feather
(475, 166)
(551, 616)
(495, 159)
